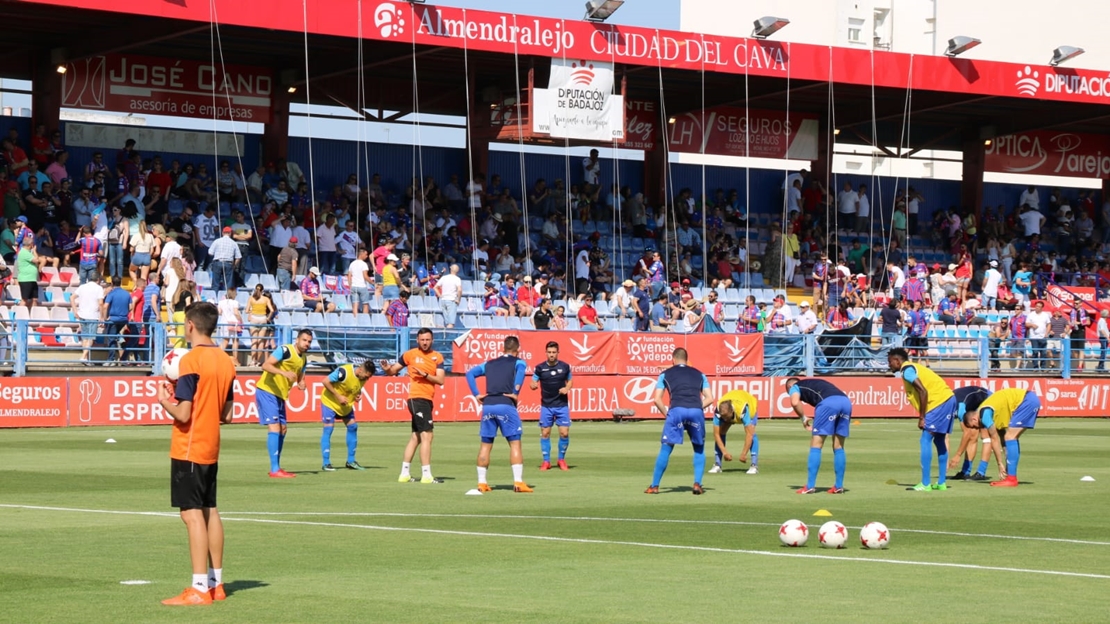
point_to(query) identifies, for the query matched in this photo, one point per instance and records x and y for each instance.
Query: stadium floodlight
(600, 10)
(961, 44)
(1064, 53)
(767, 26)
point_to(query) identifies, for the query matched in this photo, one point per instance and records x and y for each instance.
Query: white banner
(154, 140)
(579, 103)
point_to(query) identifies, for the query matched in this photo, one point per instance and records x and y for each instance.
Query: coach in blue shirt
(689, 396)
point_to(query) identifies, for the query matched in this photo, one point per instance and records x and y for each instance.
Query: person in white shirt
(790, 179)
(863, 211)
(1036, 322)
(582, 272)
(780, 317)
(1031, 222)
(794, 197)
(1030, 197)
(846, 204)
(913, 205)
(897, 278)
(591, 172)
(807, 320)
(623, 299)
(991, 279)
(347, 243)
(170, 249)
(474, 191)
(254, 184)
(291, 172)
(359, 279)
(449, 291)
(230, 324)
(206, 229)
(325, 245)
(1103, 329)
(86, 303)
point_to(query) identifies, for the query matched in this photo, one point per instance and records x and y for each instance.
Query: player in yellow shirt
(936, 406)
(283, 369)
(1011, 412)
(736, 407)
(342, 389)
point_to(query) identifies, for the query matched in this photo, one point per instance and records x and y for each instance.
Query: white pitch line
(383, 514)
(572, 540)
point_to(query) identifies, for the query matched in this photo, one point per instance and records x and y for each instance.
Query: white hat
(391, 258)
(951, 267)
(994, 263)
(314, 271)
(804, 304)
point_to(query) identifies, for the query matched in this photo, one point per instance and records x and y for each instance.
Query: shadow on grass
(237, 586)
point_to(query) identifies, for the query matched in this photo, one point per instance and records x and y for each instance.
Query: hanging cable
(704, 190)
(520, 152)
(308, 124)
(418, 165)
(470, 160)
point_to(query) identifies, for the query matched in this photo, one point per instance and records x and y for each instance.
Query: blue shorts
(1025, 416)
(684, 419)
(140, 259)
(832, 416)
(500, 418)
(271, 410)
(940, 419)
(391, 292)
(328, 415)
(559, 416)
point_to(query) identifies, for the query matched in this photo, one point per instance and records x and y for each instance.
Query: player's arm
(749, 435)
(335, 377)
(535, 381)
(472, 376)
(707, 398)
(272, 362)
(394, 368)
(657, 397)
(229, 403)
(182, 393)
(796, 405)
(570, 382)
(438, 377)
(718, 436)
(518, 379)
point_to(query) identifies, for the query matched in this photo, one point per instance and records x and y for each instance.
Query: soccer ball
(794, 533)
(874, 535)
(833, 534)
(171, 362)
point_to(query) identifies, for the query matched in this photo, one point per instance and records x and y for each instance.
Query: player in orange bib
(201, 401)
(425, 369)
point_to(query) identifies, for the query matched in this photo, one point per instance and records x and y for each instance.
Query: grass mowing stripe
(549, 538)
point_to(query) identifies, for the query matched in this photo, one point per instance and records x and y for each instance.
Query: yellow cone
(823, 513)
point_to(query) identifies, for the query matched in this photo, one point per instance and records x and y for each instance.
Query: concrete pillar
(971, 188)
(655, 166)
(46, 94)
(275, 136)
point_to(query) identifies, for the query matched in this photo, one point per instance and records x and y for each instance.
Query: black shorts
(421, 410)
(29, 290)
(192, 486)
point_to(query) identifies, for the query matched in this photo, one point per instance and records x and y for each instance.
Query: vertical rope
(469, 158)
(520, 151)
(308, 118)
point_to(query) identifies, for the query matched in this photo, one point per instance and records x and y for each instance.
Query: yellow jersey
(939, 392)
(1002, 405)
(348, 385)
(740, 400)
(289, 359)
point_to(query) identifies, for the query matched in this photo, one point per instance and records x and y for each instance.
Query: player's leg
(813, 463)
(406, 461)
(547, 419)
(672, 434)
(426, 457)
(718, 452)
(841, 431)
(352, 441)
(187, 494)
(695, 428)
(512, 430)
(215, 553)
(965, 453)
(487, 431)
(984, 457)
(422, 423)
(1013, 450)
(562, 421)
(327, 416)
(197, 527)
(272, 447)
(755, 450)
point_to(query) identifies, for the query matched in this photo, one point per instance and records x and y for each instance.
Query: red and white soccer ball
(833, 535)
(171, 362)
(794, 533)
(874, 535)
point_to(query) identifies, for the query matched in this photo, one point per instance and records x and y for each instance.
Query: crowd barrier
(96, 401)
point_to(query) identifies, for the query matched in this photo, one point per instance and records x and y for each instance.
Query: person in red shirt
(41, 150)
(136, 330)
(587, 315)
(15, 157)
(527, 299)
(199, 402)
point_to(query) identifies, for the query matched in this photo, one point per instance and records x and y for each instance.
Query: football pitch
(79, 516)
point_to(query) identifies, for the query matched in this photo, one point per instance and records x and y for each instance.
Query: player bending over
(735, 407)
(1009, 412)
(832, 416)
(342, 389)
(689, 396)
(968, 399)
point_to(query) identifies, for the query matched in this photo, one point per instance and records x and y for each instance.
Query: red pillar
(480, 129)
(971, 189)
(655, 166)
(275, 136)
(821, 168)
(46, 94)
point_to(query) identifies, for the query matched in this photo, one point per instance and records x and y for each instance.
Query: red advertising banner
(99, 401)
(418, 23)
(166, 86)
(1058, 296)
(726, 131)
(641, 120)
(618, 353)
(32, 402)
(1044, 152)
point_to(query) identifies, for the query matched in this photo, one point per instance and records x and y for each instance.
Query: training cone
(855, 422)
(474, 492)
(892, 482)
(823, 513)
(1087, 478)
(113, 441)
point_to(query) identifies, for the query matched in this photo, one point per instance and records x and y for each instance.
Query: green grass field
(587, 546)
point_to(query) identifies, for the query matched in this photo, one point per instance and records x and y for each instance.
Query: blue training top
(552, 379)
(684, 384)
(813, 391)
(504, 375)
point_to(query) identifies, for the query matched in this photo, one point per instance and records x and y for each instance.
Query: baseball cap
(293, 239)
(804, 304)
(227, 230)
(528, 278)
(628, 283)
(21, 218)
(951, 267)
(314, 271)
(994, 263)
(674, 284)
(685, 281)
(391, 258)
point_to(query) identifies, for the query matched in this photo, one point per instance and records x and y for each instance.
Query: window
(855, 30)
(930, 26)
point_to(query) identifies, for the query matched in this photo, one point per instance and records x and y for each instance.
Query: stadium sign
(1043, 152)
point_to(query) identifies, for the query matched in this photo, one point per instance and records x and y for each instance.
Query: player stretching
(968, 399)
(504, 378)
(1010, 411)
(202, 400)
(425, 368)
(936, 407)
(689, 396)
(554, 377)
(735, 407)
(283, 368)
(832, 416)
(342, 389)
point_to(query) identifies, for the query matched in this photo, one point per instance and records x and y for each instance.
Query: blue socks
(545, 448)
(926, 456)
(840, 462)
(814, 464)
(755, 451)
(718, 457)
(563, 444)
(281, 443)
(699, 462)
(352, 441)
(966, 466)
(661, 462)
(983, 467)
(325, 443)
(1013, 454)
(942, 457)
(273, 447)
